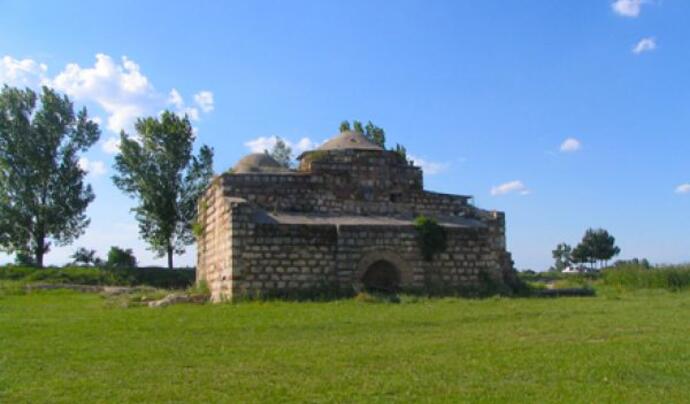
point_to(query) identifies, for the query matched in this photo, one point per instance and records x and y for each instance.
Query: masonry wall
(374, 183)
(280, 259)
(214, 242)
(239, 257)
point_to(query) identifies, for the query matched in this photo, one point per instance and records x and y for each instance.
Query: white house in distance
(578, 269)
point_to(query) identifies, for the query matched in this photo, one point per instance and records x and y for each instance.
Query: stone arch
(382, 266)
(381, 276)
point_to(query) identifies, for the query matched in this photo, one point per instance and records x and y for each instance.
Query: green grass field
(63, 346)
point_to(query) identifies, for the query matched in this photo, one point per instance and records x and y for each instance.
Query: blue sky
(565, 115)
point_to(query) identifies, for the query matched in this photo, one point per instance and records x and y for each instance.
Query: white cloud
(645, 45)
(191, 112)
(118, 87)
(628, 8)
(305, 144)
(204, 99)
(94, 168)
(175, 98)
(21, 73)
(683, 188)
(262, 143)
(570, 145)
(111, 145)
(510, 187)
(429, 167)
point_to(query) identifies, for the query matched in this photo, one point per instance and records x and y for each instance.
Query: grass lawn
(62, 346)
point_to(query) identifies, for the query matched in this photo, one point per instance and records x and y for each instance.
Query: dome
(258, 163)
(350, 140)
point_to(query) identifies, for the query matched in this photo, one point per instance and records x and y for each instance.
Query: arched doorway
(381, 276)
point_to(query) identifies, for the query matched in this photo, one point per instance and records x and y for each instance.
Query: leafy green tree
(43, 197)
(23, 259)
(582, 254)
(121, 258)
(597, 245)
(370, 131)
(562, 256)
(159, 169)
(357, 126)
(402, 152)
(375, 134)
(83, 256)
(282, 153)
(603, 245)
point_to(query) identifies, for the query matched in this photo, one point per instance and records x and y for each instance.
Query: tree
(83, 256)
(562, 256)
(402, 152)
(161, 172)
(43, 197)
(375, 134)
(596, 245)
(582, 254)
(282, 153)
(121, 258)
(370, 131)
(603, 245)
(357, 126)
(24, 260)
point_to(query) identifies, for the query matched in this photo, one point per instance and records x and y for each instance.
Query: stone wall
(214, 243)
(279, 257)
(241, 255)
(273, 259)
(346, 183)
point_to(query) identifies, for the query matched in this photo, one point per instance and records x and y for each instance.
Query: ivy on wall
(431, 236)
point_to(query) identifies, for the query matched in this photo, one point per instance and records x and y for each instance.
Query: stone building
(345, 220)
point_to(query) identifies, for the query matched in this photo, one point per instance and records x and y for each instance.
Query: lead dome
(258, 163)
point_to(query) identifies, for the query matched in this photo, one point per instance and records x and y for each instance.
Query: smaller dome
(350, 140)
(258, 163)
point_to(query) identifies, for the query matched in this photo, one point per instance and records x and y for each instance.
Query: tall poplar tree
(159, 169)
(43, 197)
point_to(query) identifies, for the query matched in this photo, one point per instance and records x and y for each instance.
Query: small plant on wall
(431, 235)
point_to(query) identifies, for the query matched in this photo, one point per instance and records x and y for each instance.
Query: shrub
(121, 258)
(432, 236)
(156, 277)
(15, 273)
(82, 276)
(161, 277)
(199, 288)
(83, 256)
(24, 259)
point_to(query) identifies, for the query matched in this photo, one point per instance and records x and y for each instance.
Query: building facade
(344, 220)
